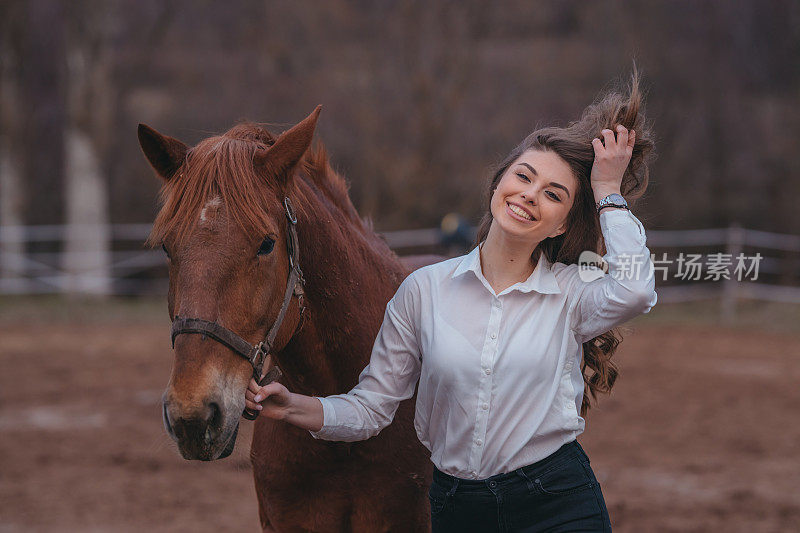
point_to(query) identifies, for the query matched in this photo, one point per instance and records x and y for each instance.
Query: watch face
(617, 199)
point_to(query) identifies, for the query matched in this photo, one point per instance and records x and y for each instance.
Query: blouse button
(488, 371)
(494, 335)
(479, 442)
(485, 406)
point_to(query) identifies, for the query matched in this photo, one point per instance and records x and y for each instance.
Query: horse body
(375, 485)
(302, 484)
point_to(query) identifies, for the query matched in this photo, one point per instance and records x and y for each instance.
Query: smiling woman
(561, 177)
(506, 344)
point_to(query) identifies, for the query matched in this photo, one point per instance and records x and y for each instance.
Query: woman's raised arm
(629, 287)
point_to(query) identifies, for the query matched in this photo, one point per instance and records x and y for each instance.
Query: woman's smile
(519, 213)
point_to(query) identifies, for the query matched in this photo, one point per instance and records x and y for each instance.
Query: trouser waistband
(571, 448)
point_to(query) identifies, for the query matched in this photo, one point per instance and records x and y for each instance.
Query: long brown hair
(573, 145)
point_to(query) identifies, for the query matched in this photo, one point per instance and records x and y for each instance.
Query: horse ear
(165, 154)
(282, 156)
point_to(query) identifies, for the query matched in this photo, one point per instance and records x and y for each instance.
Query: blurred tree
(43, 95)
(12, 197)
(90, 27)
(421, 97)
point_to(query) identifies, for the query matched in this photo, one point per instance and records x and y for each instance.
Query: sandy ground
(700, 434)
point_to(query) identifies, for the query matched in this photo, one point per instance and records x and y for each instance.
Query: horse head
(224, 229)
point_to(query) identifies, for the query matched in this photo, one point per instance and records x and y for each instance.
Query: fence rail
(130, 270)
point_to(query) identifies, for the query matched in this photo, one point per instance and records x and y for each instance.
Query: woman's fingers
(631, 142)
(252, 406)
(598, 146)
(255, 394)
(622, 137)
(609, 141)
(249, 396)
(266, 391)
(255, 398)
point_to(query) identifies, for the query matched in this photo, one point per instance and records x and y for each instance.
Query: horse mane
(222, 166)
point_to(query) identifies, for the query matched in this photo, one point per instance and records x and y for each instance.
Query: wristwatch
(612, 200)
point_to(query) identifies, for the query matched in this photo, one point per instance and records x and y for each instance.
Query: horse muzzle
(201, 434)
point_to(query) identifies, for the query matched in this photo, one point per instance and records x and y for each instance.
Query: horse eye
(266, 246)
(163, 247)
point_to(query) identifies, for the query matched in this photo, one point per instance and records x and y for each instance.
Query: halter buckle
(258, 358)
(287, 204)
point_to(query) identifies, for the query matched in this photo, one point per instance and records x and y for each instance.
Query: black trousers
(557, 494)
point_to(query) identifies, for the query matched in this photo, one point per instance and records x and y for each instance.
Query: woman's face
(534, 196)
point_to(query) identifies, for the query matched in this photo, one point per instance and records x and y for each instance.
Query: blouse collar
(542, 280)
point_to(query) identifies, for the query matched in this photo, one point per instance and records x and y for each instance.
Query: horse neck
(349, 278)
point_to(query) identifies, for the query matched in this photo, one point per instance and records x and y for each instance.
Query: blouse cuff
(614, 218)
(328, 419)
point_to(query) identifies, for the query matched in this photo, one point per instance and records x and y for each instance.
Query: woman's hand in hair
(611, 158)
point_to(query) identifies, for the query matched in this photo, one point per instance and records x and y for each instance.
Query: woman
(495, 338)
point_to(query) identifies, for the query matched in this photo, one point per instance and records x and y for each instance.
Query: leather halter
(258, 353)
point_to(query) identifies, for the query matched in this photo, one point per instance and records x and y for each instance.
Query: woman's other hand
(611, 159)
(273, 399)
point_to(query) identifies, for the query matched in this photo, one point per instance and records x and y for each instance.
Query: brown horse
(224, 230)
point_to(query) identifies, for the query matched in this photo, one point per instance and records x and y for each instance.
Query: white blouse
(500, 385)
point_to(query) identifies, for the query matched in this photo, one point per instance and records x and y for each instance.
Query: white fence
(135, 270)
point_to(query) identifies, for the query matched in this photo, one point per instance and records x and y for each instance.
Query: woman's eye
(552, 195)
(266, 246)
(164, 247)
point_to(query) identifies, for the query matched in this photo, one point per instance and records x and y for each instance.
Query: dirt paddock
(700, 434)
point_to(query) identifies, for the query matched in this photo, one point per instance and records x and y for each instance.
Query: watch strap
(613, 205)
(612, 200)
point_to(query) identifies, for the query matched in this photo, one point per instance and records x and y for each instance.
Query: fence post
(12, 234)
(730, 287)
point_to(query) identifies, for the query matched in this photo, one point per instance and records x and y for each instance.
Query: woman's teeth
(519, 212)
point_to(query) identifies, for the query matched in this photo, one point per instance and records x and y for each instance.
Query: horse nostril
(165, 417)
(199, 428)
(213, 423)
(215, 417)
